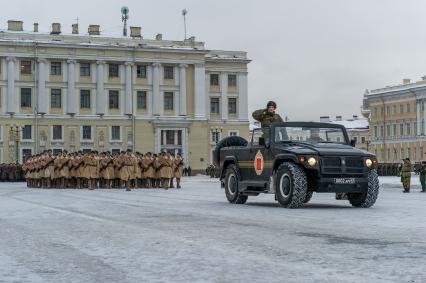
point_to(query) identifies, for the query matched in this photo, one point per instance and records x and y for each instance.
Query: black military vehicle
(298, 158)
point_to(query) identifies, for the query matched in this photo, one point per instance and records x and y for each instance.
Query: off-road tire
(308, 197)
(227, 142)
(291, 186)
(232, 178)
(368, 198)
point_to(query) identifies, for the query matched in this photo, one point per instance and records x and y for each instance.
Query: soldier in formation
(93, 170)
(11, 172)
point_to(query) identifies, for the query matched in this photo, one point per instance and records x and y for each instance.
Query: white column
(11, 105)
(182, 89)
(242, 96)
(418, 106)
(42, 101)
(200, 91)
(424, 116)
(128, 91)
(224, 95)
(100, 93)
(71, 94)
(156, 89)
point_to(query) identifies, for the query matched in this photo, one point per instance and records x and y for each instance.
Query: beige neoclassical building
(88, 91)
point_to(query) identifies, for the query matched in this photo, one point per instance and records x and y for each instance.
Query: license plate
(344, 180)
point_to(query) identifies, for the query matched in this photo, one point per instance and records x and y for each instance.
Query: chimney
(35, 27)
(15, 25)
(56, 28)
(159, 36)
(135, 32)
(94, 30)
(355, 117)
(74, 28)
(406, 81)
(338, 118)
(325, 119)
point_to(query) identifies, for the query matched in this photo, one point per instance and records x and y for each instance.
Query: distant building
(357, 128)
(397, 120)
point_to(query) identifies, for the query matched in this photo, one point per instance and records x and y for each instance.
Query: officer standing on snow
(406, 175)
(422, 175)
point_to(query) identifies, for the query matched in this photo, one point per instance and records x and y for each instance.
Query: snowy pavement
(195, 235)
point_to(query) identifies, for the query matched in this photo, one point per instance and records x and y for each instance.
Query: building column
(11, 105)
(100, 92)
(42, 101)
(418, 106)
(128, 109)
(182, 89)
(224, 95)
(424, 116)
(200, 91)
(156, 111)
(242, 96)
(71, 95)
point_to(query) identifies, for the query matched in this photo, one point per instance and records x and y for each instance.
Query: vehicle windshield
(309, 134)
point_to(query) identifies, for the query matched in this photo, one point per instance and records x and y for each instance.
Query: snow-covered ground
(195, 235)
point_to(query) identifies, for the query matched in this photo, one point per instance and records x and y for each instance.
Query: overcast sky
(313, 58)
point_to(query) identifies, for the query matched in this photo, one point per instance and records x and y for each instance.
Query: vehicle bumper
(328, 185)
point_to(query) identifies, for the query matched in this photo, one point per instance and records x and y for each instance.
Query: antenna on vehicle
(124, 18)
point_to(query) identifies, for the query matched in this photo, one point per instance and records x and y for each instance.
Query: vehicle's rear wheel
(232, 192)
(308, 197)
(369, 197)
(291, 185)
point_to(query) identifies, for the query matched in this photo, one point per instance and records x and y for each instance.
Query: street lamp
(368, 143)
(215, 133)
(15, 132)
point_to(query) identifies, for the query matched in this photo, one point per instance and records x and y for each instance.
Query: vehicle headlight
(368, 162)
(312, 161)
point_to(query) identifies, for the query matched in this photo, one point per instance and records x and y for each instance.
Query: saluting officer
(266, 117)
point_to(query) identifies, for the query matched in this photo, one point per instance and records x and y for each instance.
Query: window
(168, 72)
(394, 130)
(214, 105)
(388, 129)
(115, 151)
(141, 71)
(408, 153)
(408, 129)
(27, 132)
(115, 133)
(382, 130)
(55, 68)
(395, 154)
(214, 79)
(25, 97)
(141, 99)
(26, 153)
(388, 111)
(401, 153)
(85, 69)
(401, 130)
(401, 108)
(55, 98)
(388, 154)
(394, 110)
(362, 139)
(113, 70)
(113, 99)
(408, 107)
(86, 133)
(26, 67)
(57, 132)
(233, 133)
(170, 137)
(84, 98)
(232, 105)
(232, 80)
(168, 101)
(375, 132)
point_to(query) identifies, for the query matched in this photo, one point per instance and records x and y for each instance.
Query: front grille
(342, 165)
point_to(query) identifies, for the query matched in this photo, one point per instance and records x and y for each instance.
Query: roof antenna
(184, 12)
(124, 18)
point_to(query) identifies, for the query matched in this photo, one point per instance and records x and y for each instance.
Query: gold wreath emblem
(258, 163)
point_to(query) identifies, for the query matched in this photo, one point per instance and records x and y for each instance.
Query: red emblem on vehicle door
(258, 163)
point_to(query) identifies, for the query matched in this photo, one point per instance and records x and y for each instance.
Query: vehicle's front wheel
(369, 197)
(291, 185)
(232, 192)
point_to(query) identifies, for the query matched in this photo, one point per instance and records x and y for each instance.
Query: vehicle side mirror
(262, 141)
(353, 143)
